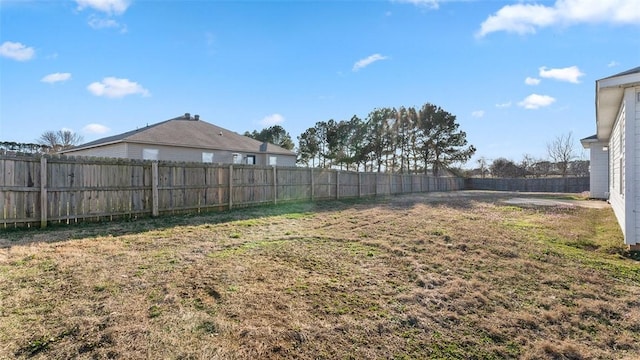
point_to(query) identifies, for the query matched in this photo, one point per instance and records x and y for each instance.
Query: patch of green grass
(154, 311)
(509, 208)
(249, 222)
(360, 249)
(297, 216)
(208, 327)
(243, 248)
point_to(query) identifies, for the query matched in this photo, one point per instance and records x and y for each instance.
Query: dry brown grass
(406, 277)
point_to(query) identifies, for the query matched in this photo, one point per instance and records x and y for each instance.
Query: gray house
(186, 138)
(615, 150)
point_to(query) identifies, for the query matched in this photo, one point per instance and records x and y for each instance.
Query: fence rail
(40, 190)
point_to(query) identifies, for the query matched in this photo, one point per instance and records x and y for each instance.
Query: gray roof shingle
(193, 133)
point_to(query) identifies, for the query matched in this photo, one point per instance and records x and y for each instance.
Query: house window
(273, 160)
(251, 160)
(207, 157)
(149, 154)
(237, 158)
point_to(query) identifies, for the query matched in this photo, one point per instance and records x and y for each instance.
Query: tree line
(402, 140)
(48, 142)
(528, 167)
(561, 161)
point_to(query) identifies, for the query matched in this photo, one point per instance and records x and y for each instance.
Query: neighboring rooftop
(188, 131)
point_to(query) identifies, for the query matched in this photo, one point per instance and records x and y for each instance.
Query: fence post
(275, 186)
(154, 189)
(312, 182)
(337, 184)
(43, 192)
(230, 186)
(359, 184)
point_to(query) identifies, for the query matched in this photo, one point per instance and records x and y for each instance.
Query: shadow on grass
(127, 226)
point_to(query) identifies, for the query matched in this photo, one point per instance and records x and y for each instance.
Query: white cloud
(535, 101)
(477, 113)
(273, 119)
(430, 4)
(531, 81)
(361, 64)
(96, 22)
(16, 51)
(613, 63)
(570, 74)
(504, 105)
(112, 87)
(525, 18)
(56, 77)
(95, 129)
(110, 7)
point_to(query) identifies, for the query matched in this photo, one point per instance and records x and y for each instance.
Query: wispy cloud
(56, 77)
(613, 63)
(112, 87)
(361, 64)
(531, 81)
(16, 51)
(477, 113)
(525, 18)
(273, 119)
(110, 7)
(535, 101)
(96, 22)
(570, 74)
(95, 129)
(504, 105)
(429, 4)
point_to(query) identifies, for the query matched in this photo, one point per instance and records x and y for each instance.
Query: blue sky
(516, 74)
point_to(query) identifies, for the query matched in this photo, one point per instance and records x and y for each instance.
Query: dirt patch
(531, 201)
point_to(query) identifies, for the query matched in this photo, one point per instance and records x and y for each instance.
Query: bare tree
(59, 140)
(527, 164)
(482, 164)
(561, 152)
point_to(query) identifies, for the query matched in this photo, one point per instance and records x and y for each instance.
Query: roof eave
(609, 93)
(588, 141)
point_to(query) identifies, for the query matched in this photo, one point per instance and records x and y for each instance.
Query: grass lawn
(408, 277)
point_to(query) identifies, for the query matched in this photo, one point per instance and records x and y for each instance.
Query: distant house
(189, 139)
(615, 150)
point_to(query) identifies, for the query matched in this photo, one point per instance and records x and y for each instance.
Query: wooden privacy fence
(558, 185)
(40, 190)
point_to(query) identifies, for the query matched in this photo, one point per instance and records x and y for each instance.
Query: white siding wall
(174, 153)
(616, 159)
(632, 99)
(110, 151)
(599, 171)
